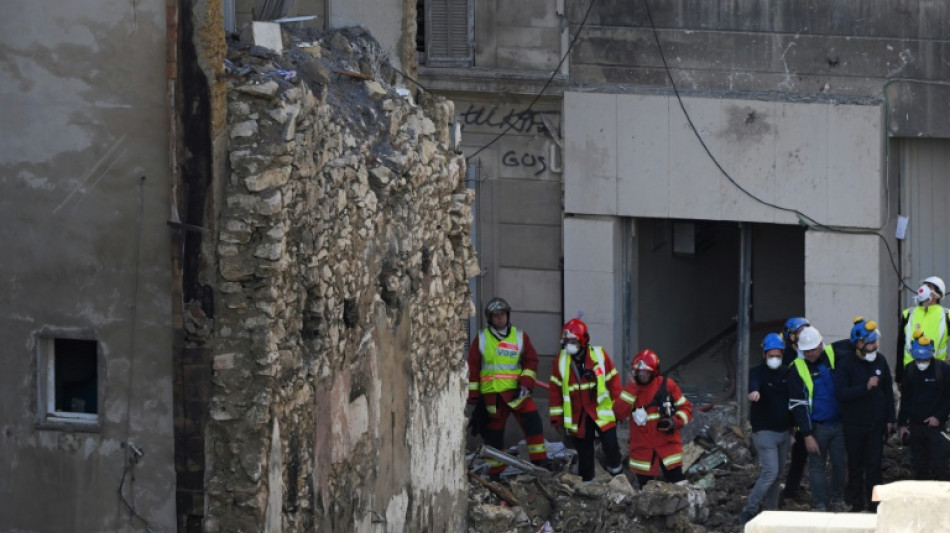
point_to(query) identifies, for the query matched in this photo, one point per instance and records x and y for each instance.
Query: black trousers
(865, 448)
(929, 451)
(585, 448)
(672, 475)
(796, 467)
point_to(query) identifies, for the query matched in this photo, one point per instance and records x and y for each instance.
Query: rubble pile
(720, 468)
(342, 264)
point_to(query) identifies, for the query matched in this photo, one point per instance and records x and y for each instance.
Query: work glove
(666, 425)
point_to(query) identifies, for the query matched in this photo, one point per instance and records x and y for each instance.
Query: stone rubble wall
(343, 260)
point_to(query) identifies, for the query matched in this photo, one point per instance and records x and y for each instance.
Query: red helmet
(646, 360)
(575, 329)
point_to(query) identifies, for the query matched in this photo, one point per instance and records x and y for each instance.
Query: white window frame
(46, 400)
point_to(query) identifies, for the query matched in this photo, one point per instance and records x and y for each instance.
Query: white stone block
(589, 244)
(267, 35)
(842, 259)
(590, 153)
(593, 293)
(530, 290)
(643, 158)
(810, 522)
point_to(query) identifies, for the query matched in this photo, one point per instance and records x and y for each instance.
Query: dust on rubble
(720, 467)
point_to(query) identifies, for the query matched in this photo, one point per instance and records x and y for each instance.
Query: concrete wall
(517, 34)
(387, 21)
(593, 285)
(85, 193)
(518, 192)
(635, 155)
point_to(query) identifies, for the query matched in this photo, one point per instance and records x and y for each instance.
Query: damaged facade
(244, 307)
(237, 291)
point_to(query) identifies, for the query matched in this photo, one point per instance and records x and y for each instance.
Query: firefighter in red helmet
(584, 385)
(659, 410)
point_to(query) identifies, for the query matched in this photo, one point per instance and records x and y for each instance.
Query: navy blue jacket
(860, 407)
(771, 412)
(824, 407)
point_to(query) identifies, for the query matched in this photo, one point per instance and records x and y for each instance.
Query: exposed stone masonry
(343, 260)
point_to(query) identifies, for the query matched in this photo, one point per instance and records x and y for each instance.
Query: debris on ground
(720, 466)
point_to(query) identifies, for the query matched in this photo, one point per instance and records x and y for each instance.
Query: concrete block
(911, 506)
(267, 35)
(695, 183)
(801, 155)
(528, 202)
(527, 58)
(809, 522)
(590, 244)
(743, 140)
(855, 165)
(530, 290)
(842, 259)
(529, 246)
(590, 153)
(592, 293)
(544, 328)
(830, 307)
(604, 334)
(643, 157)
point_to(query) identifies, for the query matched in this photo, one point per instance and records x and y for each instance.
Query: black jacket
(923, 395)
(771, 412)
(861, 407)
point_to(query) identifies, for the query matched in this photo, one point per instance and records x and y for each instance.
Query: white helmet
(809, 339)
(936, 282)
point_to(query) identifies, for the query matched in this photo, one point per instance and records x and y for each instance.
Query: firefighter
(659, 410)
(502, 368)
(584, 386)
(930, 317)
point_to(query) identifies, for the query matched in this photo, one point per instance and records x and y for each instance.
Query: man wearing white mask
(864, 388)
(928, 316)
(925, 406)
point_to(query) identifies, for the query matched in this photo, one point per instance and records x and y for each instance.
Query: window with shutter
(448, 32)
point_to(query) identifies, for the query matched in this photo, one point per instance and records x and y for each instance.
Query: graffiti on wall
(520, 120)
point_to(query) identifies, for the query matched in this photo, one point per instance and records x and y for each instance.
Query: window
(68, 380)
(444, 34)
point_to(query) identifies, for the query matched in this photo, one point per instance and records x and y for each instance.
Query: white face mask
(773, 362)
(870, 356)
(923, 294)
(922, 365)
(572, 349)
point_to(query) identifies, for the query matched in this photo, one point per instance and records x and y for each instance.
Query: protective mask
(773, 362)
(923, 294)
(572, 349)
(870, 356)
(923, 365)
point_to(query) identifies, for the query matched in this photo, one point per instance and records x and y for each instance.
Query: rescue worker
(659, 410)
(771, 425)
(502, 368)
(925, 405)
(865, 391)
(796, 467)
(584, 385)
(817, 415)
(928, 315)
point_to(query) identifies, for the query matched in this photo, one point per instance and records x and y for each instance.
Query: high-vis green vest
(933, 320)
(802, 367)
(605, 404)
(501, 361)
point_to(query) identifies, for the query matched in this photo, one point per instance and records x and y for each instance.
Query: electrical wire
(546, 84)
(808, 221)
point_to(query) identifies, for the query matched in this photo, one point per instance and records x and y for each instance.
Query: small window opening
(70, 386)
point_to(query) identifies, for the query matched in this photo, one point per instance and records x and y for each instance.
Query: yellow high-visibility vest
(605, 404)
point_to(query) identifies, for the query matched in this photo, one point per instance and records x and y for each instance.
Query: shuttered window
(448, 33)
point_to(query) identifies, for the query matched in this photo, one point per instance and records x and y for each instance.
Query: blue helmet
(794, 324)
(773, 341)
(865, 331)
(922, 347)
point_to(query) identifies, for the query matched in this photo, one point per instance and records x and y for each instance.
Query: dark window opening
(421, 26)
(76, 376)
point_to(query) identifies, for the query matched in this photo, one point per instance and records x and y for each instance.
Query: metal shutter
(926, 197)
(449, 33)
